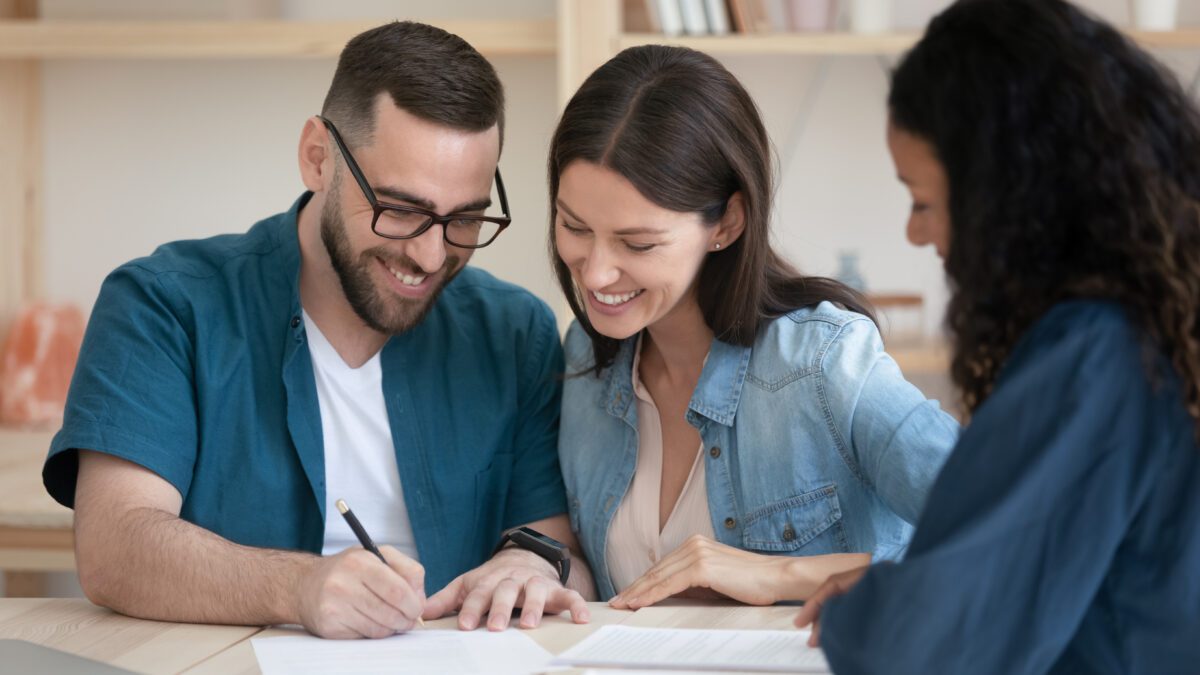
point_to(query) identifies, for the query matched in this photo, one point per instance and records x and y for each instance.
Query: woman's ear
(731, 225)
(315, 168)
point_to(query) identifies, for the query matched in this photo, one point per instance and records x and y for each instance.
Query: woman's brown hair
(680, 127)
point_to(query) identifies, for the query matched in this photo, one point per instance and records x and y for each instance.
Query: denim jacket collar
(715, 398)
(720, 387)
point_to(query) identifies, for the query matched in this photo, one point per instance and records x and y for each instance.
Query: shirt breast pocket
(806, 524)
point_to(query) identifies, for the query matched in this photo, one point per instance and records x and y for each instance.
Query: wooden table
(153, 647)
(35, 530)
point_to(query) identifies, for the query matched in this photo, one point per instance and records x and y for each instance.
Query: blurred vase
(810, 15)
(36, 364)
(1155, 14)
(870, 16)
(848, 272)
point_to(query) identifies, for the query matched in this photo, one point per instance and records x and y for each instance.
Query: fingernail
(585, 615)
(468, 624)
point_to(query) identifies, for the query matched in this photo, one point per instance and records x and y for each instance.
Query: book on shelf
(694, 21)
(707, 17)
(640, 16)
(670, 18)
(718, 16)
(751, 16)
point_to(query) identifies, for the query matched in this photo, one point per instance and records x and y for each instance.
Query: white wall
(142, 152)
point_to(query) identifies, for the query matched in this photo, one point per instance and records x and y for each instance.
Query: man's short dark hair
(426, 71)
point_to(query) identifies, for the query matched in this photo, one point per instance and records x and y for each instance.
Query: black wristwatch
(551, 549)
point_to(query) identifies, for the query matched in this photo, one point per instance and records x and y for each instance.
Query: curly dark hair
(1073, 160)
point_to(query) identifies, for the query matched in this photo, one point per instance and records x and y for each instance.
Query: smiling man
(231, 390)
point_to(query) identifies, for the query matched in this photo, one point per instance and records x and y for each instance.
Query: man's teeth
(407, 279)
(615, 299)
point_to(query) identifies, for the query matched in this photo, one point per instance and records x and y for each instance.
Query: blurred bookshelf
(37, 39)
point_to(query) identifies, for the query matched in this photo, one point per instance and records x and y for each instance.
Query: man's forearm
(152, 564)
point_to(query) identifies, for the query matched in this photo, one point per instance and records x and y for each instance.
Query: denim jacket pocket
(788, 525)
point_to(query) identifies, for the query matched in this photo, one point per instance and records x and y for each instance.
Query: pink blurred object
(36, 364)
(811, 15)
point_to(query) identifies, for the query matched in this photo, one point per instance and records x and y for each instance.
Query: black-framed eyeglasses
(395, 221)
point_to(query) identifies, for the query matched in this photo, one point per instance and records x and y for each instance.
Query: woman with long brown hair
(728, 424)
(1056, 168)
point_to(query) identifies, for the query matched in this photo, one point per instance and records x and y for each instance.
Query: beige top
(635, 543)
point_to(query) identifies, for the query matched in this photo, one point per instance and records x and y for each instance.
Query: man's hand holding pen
(351, 595)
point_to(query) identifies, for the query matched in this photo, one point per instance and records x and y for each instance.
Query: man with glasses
(231, 391)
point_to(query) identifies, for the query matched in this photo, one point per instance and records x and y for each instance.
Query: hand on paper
(701, 563)
(512, 578)
(836, 585)
(352, 595)
(702, 567)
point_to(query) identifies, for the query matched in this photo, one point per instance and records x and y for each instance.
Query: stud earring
(716, 246)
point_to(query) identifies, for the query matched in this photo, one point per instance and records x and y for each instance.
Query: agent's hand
(836, 585)
(512, 578)
(701, 563)
(352, 594)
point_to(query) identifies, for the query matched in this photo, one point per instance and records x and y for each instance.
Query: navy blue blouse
(1063, 534)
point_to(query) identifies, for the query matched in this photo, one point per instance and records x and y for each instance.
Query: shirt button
(730, 523)
(295, 322)
(789, 533)
(715, 452)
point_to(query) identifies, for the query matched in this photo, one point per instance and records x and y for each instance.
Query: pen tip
(341, 506)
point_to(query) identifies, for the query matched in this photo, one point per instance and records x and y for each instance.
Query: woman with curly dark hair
(1056, 169)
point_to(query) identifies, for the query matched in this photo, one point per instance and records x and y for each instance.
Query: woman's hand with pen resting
(350, 595)
(702, 567)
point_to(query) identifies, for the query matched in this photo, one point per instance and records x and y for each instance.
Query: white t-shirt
(360, 460)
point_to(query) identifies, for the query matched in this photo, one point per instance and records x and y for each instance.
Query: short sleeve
(894, 438)
(537, 490)
(132, 393)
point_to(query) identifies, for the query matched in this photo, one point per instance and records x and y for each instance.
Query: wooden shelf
(781, 43)
(31, 39)
(850, 44)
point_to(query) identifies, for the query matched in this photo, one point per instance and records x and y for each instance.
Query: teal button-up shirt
(196, 366)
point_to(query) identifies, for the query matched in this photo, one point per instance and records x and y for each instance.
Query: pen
(363, 537)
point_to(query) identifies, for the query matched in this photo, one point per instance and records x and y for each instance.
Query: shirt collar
(720, 386)
(286, 232)
(717, 393)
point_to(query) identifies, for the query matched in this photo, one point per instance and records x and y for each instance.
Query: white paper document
(773, 651)
(420, 651)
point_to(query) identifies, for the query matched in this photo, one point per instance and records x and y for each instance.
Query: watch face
(542, 538)
(539, 543)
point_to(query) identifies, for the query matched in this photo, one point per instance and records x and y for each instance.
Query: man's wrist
(293, 572)
(529, 558)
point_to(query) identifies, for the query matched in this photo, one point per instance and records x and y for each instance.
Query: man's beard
(387, 312)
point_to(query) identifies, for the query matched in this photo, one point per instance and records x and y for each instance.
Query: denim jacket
(813, 440)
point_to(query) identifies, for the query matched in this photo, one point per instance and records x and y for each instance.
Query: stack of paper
(774, 651)
(422, 651)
